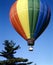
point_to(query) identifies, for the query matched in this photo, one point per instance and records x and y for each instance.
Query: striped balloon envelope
(30, 18)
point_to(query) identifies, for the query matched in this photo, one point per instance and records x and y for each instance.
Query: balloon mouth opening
(30, 44)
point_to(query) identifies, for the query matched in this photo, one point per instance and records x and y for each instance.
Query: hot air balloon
(30, 18)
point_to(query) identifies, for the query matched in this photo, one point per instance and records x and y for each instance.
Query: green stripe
(33, 8)
(36, 14)
(30, 9)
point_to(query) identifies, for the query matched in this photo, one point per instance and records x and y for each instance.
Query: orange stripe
(15, 21)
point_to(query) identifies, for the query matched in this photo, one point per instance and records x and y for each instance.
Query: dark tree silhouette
(8, 53)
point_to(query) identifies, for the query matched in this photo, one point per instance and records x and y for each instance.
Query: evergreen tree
(8, 53)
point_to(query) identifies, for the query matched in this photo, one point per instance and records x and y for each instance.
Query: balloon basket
(30, 44)
(30, 48)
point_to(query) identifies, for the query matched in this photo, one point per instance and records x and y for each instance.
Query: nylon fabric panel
(15, 21)
(43, 19)
(45, 24)
(30, 12)
(22, 11)
(35, 14)
(40, 17)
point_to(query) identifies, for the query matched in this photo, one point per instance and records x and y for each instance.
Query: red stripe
(15, 21)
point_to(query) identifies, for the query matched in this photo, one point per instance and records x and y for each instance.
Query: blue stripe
(45, 24)
(41, 13)
(41, 21)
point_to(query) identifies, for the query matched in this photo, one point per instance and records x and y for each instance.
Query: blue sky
(43, 48)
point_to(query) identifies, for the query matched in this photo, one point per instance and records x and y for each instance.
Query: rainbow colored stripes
(29, 18)
(28, 11)
(16, 22)
(22, 11)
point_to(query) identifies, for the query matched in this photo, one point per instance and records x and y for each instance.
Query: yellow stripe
(22, 11)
